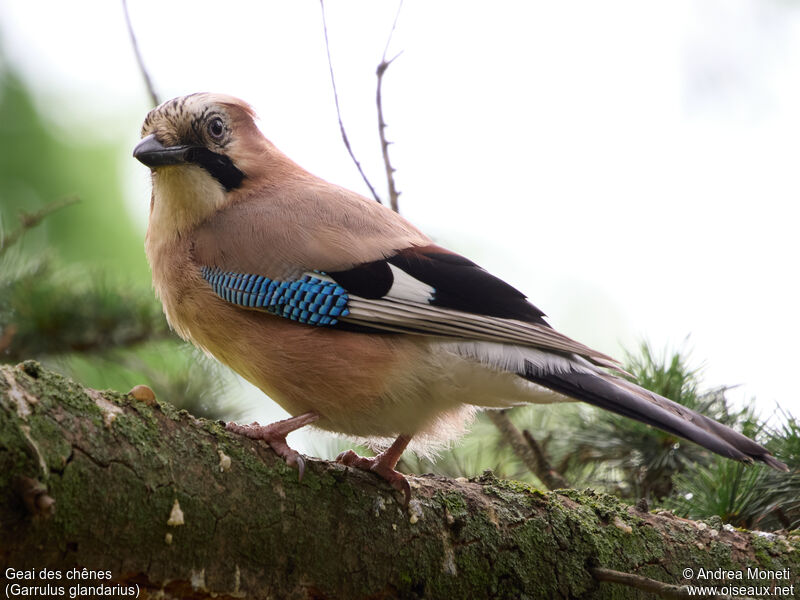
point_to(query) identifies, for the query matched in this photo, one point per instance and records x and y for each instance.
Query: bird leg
(383, 465)
(275, 435)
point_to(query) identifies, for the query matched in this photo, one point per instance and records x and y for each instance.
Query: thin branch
(391, 33)
(147, 81)
(30, 220)
(664, 590)
(525, 452)
(381, 70)
(338, 111)
(549, 476)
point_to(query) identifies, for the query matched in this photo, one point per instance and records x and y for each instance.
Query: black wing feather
(371, 280)
(458, 283)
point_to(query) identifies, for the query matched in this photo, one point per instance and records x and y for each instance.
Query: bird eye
(216, 128)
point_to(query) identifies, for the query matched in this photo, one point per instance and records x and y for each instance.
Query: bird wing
(432, 291)
(265, 257)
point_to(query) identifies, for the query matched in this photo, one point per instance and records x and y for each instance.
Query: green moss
(765, 551)
(52, 388)
(520, 488)
(136, 430)
(453, 502)
(33, 369)
(714, 521)
(59, 450)
(15, 462)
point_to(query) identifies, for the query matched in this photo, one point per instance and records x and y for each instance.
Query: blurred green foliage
(75, 289)
(71, 309)
(40, 163)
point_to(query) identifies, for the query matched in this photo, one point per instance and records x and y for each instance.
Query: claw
(383, 466)
(295, 460)
(405, 487)
(275, 436)
(351, 459)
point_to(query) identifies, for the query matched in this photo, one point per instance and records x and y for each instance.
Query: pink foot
(275, 435)
(383, 465)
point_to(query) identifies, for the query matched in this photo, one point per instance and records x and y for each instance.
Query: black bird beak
(150, 152)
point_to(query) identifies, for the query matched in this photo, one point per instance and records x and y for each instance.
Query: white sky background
(632, 166)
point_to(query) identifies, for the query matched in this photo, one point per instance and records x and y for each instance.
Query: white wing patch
(406, 287)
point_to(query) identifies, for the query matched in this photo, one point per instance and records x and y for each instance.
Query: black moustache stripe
(219, 166)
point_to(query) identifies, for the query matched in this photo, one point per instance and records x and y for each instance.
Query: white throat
(183, 196)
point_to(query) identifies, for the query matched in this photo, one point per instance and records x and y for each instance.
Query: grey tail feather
(629, 400)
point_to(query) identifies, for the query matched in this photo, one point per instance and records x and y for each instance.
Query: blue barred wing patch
(308, 299)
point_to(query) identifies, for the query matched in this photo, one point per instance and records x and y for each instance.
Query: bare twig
(525, 451)
(338, 111)
(549, 476)
(147, 81)
(381, 70)
(664, 590)
(30, 220)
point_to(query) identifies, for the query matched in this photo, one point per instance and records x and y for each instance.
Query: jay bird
(346, 314)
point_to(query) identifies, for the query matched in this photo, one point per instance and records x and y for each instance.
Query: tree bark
(152, 497)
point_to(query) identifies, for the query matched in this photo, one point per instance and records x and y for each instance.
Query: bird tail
(628, 399)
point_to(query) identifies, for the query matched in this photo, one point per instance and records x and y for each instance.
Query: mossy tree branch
(182, 508)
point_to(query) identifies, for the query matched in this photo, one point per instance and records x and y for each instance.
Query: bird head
(203, 130)
(204, 151)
